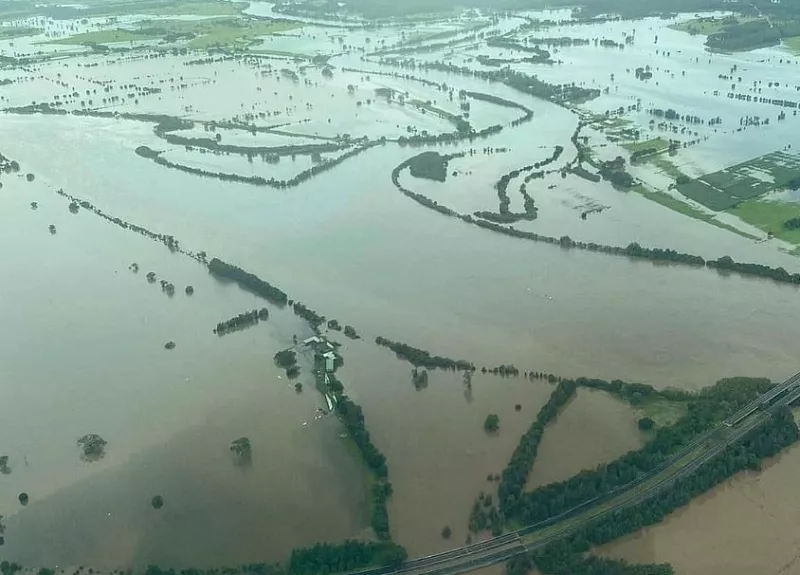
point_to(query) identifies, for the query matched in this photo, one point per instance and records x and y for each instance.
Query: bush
(646, 424)
(286, 358)
(492, 422)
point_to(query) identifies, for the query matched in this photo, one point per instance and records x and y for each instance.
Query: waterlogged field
(483, 186)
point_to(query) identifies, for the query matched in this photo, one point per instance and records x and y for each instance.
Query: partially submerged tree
(492, 423)
(241, 448)
(157, 502)
(94, 446)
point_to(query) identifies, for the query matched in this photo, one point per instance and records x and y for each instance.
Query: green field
(658, 143)
(727, 188)
(8, 32)
(708, 26)
(201, 34)
(200, 8)
(109, 37)
(675, 204)
(769, 216)
(793, 44)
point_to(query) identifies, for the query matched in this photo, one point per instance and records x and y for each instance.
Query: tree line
(247, 281)
(515, 475)
(767, 440)
(707, 409)
(421, 358)
(561, 561)
(242, 321)
(633, 250)
(352, 416)
(319, 559)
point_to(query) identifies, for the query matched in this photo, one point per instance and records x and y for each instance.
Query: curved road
(682, 464)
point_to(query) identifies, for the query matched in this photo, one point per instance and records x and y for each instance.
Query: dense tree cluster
(429, 165)
(422, 358)
(765, 441)
(324, 558)
(750, 35)
(313, 318)
(242, 321)
(707, 409)
(353, 418)
(779, 274)
(558, 560)
(92, 446)
(285, 358)
(792, 224)
(515, 475)
(540, 56)
(247, 281)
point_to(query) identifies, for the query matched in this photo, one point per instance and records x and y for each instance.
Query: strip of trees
(767, 440)
(247, 281)
(352, 416)
(707, 409)
(421, 358)
(242, 321)
(515, 475)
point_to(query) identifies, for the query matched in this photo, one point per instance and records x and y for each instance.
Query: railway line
(531, 537)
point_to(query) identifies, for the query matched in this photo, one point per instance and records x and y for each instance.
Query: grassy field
(727, 188)
(769, 216)
(8, 32)
(235, 33)
(202, 34)
(708, 26)
(793, 44)
(201, 9)
(675, 204)
(658, 143)
(108, 37)
(662, 411)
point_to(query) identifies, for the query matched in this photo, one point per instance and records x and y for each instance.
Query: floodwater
(85, 336)
(349, 244)
(84, 353)
(438, 452)
(746, 525)
(593, 428)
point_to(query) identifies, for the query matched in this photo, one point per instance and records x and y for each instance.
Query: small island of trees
(92, 446)
(492, 423)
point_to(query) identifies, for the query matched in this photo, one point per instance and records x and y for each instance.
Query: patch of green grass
(769, 217)
(659, 143)
(711, 25)
(108, 37)
(201, 9)
(793, 44)
(8, 32)
(238, 33)
(675, 204)
(666, 166)
(662, 411)
(203, 33)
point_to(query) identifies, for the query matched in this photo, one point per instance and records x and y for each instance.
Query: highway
(532, 537)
